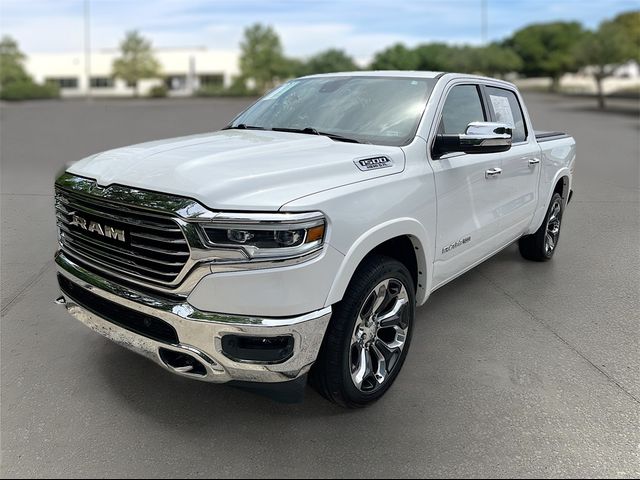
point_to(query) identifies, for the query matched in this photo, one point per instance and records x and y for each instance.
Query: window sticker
(280, 90)
(502, 109)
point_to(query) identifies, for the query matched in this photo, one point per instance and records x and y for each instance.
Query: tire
(541, 246)
(373, 321)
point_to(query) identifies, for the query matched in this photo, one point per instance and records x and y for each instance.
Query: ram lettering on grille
(121, 239)
(95, 227)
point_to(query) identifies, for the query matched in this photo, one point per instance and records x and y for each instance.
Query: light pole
(484, 19)
(87, 47)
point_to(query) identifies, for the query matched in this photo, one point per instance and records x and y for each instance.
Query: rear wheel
(541, 245)
(368, 336)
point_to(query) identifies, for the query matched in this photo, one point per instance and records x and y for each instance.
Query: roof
(412, 74)
(419, 74)
(381, 73)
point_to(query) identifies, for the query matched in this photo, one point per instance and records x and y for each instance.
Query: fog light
(257, 349)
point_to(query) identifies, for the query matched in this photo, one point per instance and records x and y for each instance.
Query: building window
(213, 80)
(176, 82)
(101, 82)
(64, 82)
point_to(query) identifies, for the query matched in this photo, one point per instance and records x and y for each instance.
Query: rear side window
(506, 109)
(463, 106)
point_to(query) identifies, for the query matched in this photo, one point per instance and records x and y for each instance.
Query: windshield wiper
(313, 131)
(243, 126)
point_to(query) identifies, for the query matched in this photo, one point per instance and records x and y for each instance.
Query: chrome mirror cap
(479, 137)
(489, 129)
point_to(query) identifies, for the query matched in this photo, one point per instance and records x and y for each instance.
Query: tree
(396, 57)
(629, 22)
(329, 61)
(462, 58)
(262, 58)
(11, 63)
(136, 61)
(437, 57)
(603, 51)
(15, 82)
(491, 60)
(547, 49)
(495, 60)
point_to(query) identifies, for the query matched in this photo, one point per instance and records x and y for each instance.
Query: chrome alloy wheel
(553, 229)
(379, 335)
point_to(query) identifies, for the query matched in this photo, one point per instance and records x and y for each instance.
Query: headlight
(274, 235)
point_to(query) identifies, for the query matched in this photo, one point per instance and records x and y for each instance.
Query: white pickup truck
(298, 241)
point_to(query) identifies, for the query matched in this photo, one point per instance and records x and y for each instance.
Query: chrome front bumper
(199, 333)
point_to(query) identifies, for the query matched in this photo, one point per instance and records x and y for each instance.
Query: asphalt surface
(516, 369)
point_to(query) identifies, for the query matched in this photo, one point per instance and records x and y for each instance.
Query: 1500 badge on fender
(373, 163)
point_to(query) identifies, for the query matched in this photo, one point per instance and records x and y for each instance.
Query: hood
(239, 169)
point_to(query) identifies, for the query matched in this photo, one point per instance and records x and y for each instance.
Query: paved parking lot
(515, 369)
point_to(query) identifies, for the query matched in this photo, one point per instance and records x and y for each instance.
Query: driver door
(468, 196)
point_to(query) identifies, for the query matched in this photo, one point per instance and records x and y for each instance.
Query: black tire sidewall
(543, 229)
(389, 269)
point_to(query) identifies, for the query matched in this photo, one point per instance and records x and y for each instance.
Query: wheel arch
(561, 184)
(562, 187)
(405, 240)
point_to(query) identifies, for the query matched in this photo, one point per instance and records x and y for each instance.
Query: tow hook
(60, 300)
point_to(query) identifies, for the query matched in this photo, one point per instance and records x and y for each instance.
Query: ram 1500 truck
(298, 241)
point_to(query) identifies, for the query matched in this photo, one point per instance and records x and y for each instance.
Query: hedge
(28, 91)
(159, 91)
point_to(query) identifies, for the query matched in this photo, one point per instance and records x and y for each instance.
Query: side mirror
(479, 137)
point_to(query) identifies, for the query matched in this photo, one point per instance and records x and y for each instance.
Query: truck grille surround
(121, 240)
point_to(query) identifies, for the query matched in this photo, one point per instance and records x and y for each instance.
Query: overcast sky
(305, 26)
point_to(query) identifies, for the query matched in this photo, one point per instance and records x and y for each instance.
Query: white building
(184, 70)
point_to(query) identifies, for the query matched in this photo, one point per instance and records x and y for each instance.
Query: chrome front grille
(149, 246)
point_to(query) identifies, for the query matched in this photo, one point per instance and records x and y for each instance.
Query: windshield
(379, 110)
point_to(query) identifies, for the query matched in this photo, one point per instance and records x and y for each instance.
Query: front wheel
(369, 335)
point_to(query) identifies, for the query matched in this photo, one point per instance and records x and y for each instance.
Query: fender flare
(374, 237)
(542, 208)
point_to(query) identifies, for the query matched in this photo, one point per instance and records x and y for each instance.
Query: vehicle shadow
(143, 386)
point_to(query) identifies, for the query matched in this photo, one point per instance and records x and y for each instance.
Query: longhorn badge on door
(462, 241)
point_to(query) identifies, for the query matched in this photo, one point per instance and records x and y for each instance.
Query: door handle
(534, 161)
(492, 172)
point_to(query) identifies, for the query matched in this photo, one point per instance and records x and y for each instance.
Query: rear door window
(505, 108)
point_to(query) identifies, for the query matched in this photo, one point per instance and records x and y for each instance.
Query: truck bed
(543, 136)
